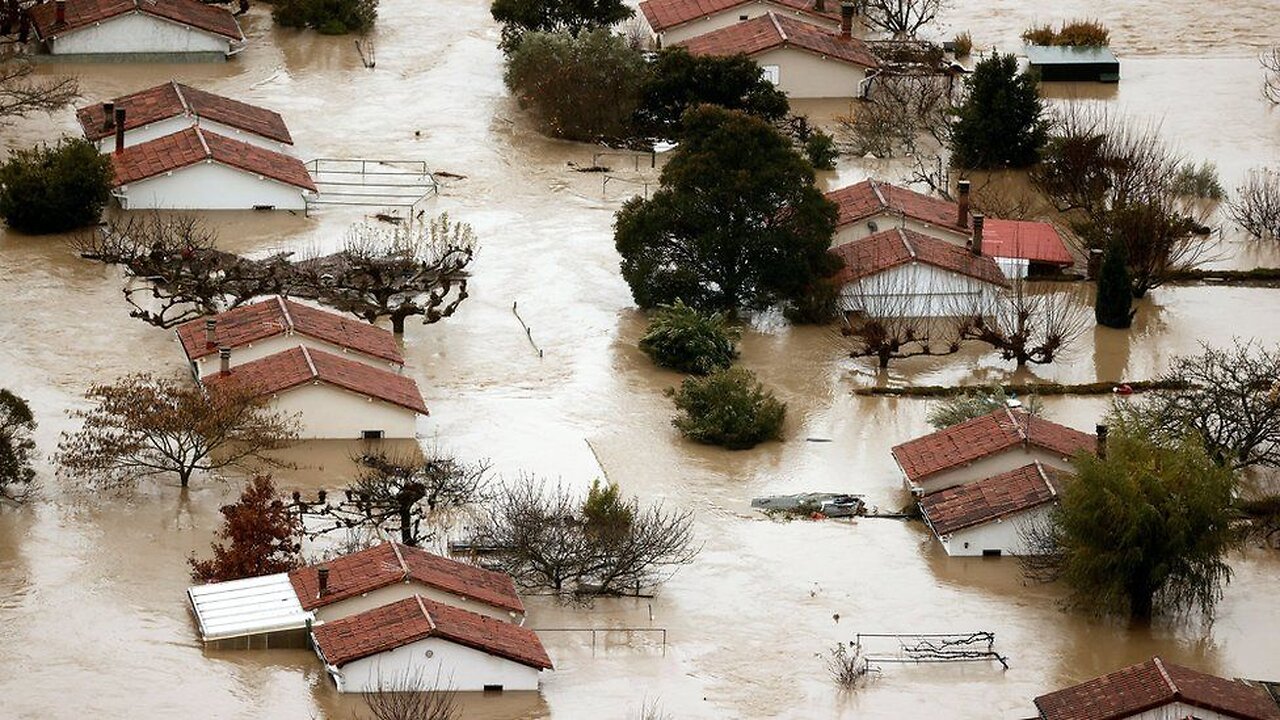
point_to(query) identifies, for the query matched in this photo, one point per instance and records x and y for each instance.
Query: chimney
(224, 355)
(60, 12)
(108, 115)
(322, 573)
(963, 218)
(846, 19)
(976, 243)
(820, 5)
(1102, 441)
(119, 130)
(210, 332)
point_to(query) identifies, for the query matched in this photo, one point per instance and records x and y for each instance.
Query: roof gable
(666, 14)
(994, 498)
(193, 145)
(173, 99)
(84, 13)
(871, 197)
(888, 249)
(771, 31)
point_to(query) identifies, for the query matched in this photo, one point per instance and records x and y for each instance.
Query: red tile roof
(1153, 684)
(982, 436)
(890, 248)
(963, 506)
(417, 618)
(193, 145)
(391, 563)
(666, 14)
(268, 318)
(173, 99)
(296, 366)
(84, 13)
(1039, 242)
(769, 31)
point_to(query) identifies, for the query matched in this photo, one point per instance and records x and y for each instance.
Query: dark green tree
(680, 81)
(52, 189)
(518, 17)
(681, 338)
(1001, 123)
(579, 88)
(1143, 529)
(736, 221)
(328, 17)
(17, 448)
(1114, 305)
(728, 408)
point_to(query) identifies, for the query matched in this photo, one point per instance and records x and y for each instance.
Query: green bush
(681, 338)
(820, 149)
(329, 17)
(51, 189)
(728, 408)
(1198, 181)
(818, 305)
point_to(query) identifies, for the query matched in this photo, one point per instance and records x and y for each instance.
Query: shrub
(681, 338)
(818, 305)
(1256, 205)
(1039, 35)
(728, 408)
(974, 404)
(1198, 181)
(51, 189)
(963, 44)
(1079, 33)
(820, 149)
(329, 17)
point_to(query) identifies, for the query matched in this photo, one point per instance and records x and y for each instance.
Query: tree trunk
(1141, 604)
(406, 525)
(397, 324)
(184, 475)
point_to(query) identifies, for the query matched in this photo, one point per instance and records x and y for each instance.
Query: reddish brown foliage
(264, 537)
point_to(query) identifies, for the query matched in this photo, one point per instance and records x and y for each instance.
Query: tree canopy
(55, 188)
(729, 408)
(681, 338)
(1001, 123)
(1114, 305)
(735, 223)
(679, 81)
(519, 17)
(17, 448)
(263, 537)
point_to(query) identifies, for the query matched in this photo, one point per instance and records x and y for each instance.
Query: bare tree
(401, 696)
(1271, 70)
(407, 496)
(901, 18)
(141, 426)
(1256, 204)
(1028, 324)
(846, 665)
(891, 318)
(23, 93)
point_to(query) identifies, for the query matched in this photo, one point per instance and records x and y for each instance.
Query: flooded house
(255, 331)
(1021, 247)
(988, 517)
(333, 397)
(1157, 690)
(674, 21)
(393, 571)
(172, 107)
(986, 446)
(136, 30)
(198, 169)
(903, 273)
(1071, 63)
(418, 644)
(801, 59)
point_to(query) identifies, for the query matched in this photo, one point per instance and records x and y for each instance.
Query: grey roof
(1068, 55)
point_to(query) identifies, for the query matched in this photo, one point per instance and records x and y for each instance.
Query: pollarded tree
(141, 426)
(679, 81)
(737, 222)
(1143, 529)
(519, 17)
(1001, 123)
(1114, 305)
(262, 535)
(1026, 324)
(17, 448)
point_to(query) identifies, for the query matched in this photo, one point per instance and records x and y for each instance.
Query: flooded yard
(93, 616)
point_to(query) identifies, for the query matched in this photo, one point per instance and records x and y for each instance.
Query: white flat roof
(251, 606)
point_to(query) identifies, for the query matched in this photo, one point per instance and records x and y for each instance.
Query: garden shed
(1073, 63)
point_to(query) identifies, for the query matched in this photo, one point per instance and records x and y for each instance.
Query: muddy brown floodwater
(93, 620)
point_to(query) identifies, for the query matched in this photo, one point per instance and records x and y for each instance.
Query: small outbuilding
(801, 59)
(172, 107)
(675, 21)
(196, 169)
(255, 331)
(903, 273)
(136, 29)
(988, 517)
(1073, 63)
(1158, 690)
(333, 397)
(392, 571)
(256, 612)
(985, 446)
(417, 643)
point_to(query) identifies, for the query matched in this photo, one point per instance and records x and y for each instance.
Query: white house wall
(917, 290)
(212, 364)
(458, 667)
(991, 465)
(209, 186)
(400, 591)
(888, 221)
(1003, 535)
(178, 123)
(735, 15)
(802, 74)
(1180, 711)
(138, 33)
(329, 412)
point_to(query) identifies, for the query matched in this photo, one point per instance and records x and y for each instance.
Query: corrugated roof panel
(247, 607)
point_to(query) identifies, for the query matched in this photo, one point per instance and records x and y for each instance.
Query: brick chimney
(322, 573)
(210, 332)
(1101, 430)
(224, 356)
(962, 219)
(59, 12)
(846, 19)
(976, 243)
(108, 115)
(119, 130)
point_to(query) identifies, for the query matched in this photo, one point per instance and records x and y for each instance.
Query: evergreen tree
(518, 17)
(1113, 307)
(680, 81)
(55, 188)
(1001, 123)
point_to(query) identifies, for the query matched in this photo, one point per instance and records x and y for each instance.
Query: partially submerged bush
(1198, 181)
(975, 403)
(681, 338)
(51, 189)
(329, 17)
(963, 44)
(1256, 205)
(728, 408)
(1078, 33)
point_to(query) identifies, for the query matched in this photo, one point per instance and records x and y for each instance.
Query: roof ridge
(177, 88)
(1025, 436)
(306, 354)
(1173, 687)
(284, 308)
(1045, 476)
(875, 188)
(395, 548)
(430, 620)
(778, 26)
(208, 154)
(902, 235)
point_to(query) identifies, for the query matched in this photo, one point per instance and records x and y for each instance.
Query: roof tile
(769, 31)
(666, 14)
(964, 506)
(83, 13)
(890, 248)
(173, 99)
(190, 146)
